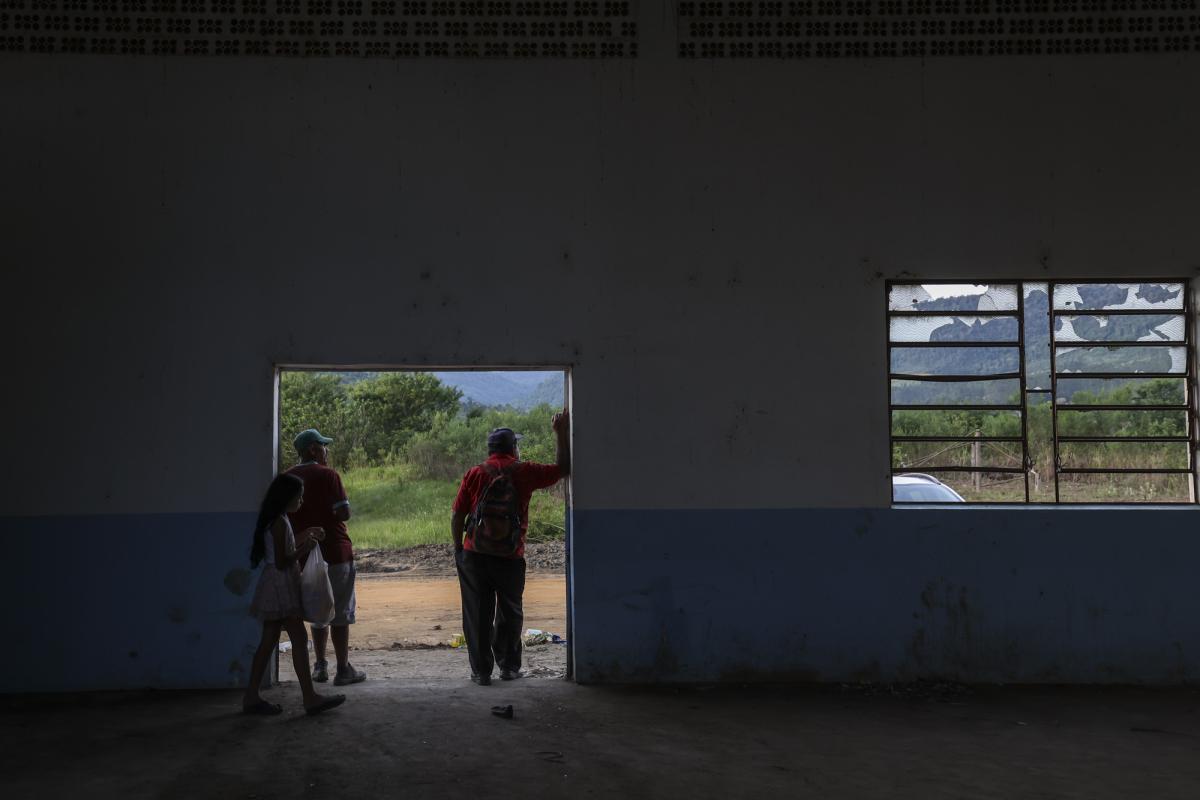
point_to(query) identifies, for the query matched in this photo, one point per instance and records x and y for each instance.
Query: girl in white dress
(276, 600)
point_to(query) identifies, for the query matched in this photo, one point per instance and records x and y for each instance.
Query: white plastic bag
(316, 593)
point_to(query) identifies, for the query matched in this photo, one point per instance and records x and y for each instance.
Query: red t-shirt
(527, 477)
(323, 494)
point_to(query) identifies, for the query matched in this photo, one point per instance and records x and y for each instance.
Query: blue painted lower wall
(128, 601)
(983, 594)
(1010, 595)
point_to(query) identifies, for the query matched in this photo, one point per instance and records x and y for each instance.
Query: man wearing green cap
(326, 506)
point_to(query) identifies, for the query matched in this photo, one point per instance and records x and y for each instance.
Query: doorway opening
(402, 441)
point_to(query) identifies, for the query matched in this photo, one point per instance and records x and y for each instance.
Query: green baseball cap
(306, 439)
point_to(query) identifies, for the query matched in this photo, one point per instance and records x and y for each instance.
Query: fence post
(976, 478)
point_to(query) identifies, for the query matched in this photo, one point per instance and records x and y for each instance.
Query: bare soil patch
(405, 623)
(438, 559)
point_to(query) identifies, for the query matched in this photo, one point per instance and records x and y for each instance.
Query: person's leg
(341, 577)
(509, 579)
(258, 667)
(299, 637)
(340, 634)
(478, 607)
(320, 638)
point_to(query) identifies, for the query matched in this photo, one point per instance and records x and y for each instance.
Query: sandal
(327, 703)
(264, 708)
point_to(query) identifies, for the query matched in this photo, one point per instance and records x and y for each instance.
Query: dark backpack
(494, 526)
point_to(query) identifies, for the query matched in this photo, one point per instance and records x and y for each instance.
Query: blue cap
(503, 439)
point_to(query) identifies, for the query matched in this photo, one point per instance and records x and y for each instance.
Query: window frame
(1188, 376)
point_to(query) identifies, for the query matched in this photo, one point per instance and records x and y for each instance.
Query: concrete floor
(437, 739)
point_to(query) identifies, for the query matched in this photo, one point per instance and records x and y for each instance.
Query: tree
(310, 400)
(386, 411)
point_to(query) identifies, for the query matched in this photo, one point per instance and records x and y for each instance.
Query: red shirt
(323, 494)
(527, 477)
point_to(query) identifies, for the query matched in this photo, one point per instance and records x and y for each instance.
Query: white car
(917, 487)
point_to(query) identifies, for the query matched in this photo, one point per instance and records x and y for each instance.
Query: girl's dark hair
(280, 493)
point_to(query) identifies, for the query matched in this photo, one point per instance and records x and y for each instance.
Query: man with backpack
(489, 524)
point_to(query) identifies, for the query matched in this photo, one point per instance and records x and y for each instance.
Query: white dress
(277, 595)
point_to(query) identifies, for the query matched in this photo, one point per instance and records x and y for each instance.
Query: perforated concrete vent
(801, 29)
(323, 28)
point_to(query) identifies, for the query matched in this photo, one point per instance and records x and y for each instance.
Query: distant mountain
(518, 389)
(1091, 328)
(549, 391)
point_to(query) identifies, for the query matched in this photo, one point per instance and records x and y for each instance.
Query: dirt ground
(405, 622)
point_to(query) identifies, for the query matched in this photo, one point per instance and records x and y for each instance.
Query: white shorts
(341, 578)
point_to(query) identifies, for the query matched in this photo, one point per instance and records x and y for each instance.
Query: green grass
(393, 510)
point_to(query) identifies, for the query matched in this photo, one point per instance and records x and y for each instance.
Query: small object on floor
(285, 647)
(511, 674)
(482, 680)
(333, 701)
(458, 640)
(349, 675)
(553, 756)
(1160, 730)
(437, 627)
(504, 712)
(264, 708)
(320, 672)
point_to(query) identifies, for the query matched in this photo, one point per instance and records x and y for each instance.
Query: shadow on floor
(438, 739)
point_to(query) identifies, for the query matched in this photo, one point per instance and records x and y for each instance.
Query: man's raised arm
(561, 423)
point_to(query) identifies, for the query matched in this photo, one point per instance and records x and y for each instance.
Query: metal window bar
(906, 312)
(1176, 439)
(957, 439)
(1124, 470)
(1119, 312)
(1057, 464)
(952, 407)
(1077, 282)
(965, 343)
(1125, 375)
(1118, 407)
(961, 468)
(1189, 386)
(1188, 376)
(996, 376)
(1087, 344)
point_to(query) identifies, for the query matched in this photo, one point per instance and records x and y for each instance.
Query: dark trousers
(492, 612)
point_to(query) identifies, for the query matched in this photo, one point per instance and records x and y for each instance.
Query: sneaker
(482, 680)
(320, 672)
(511, 674)
(349, 675)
